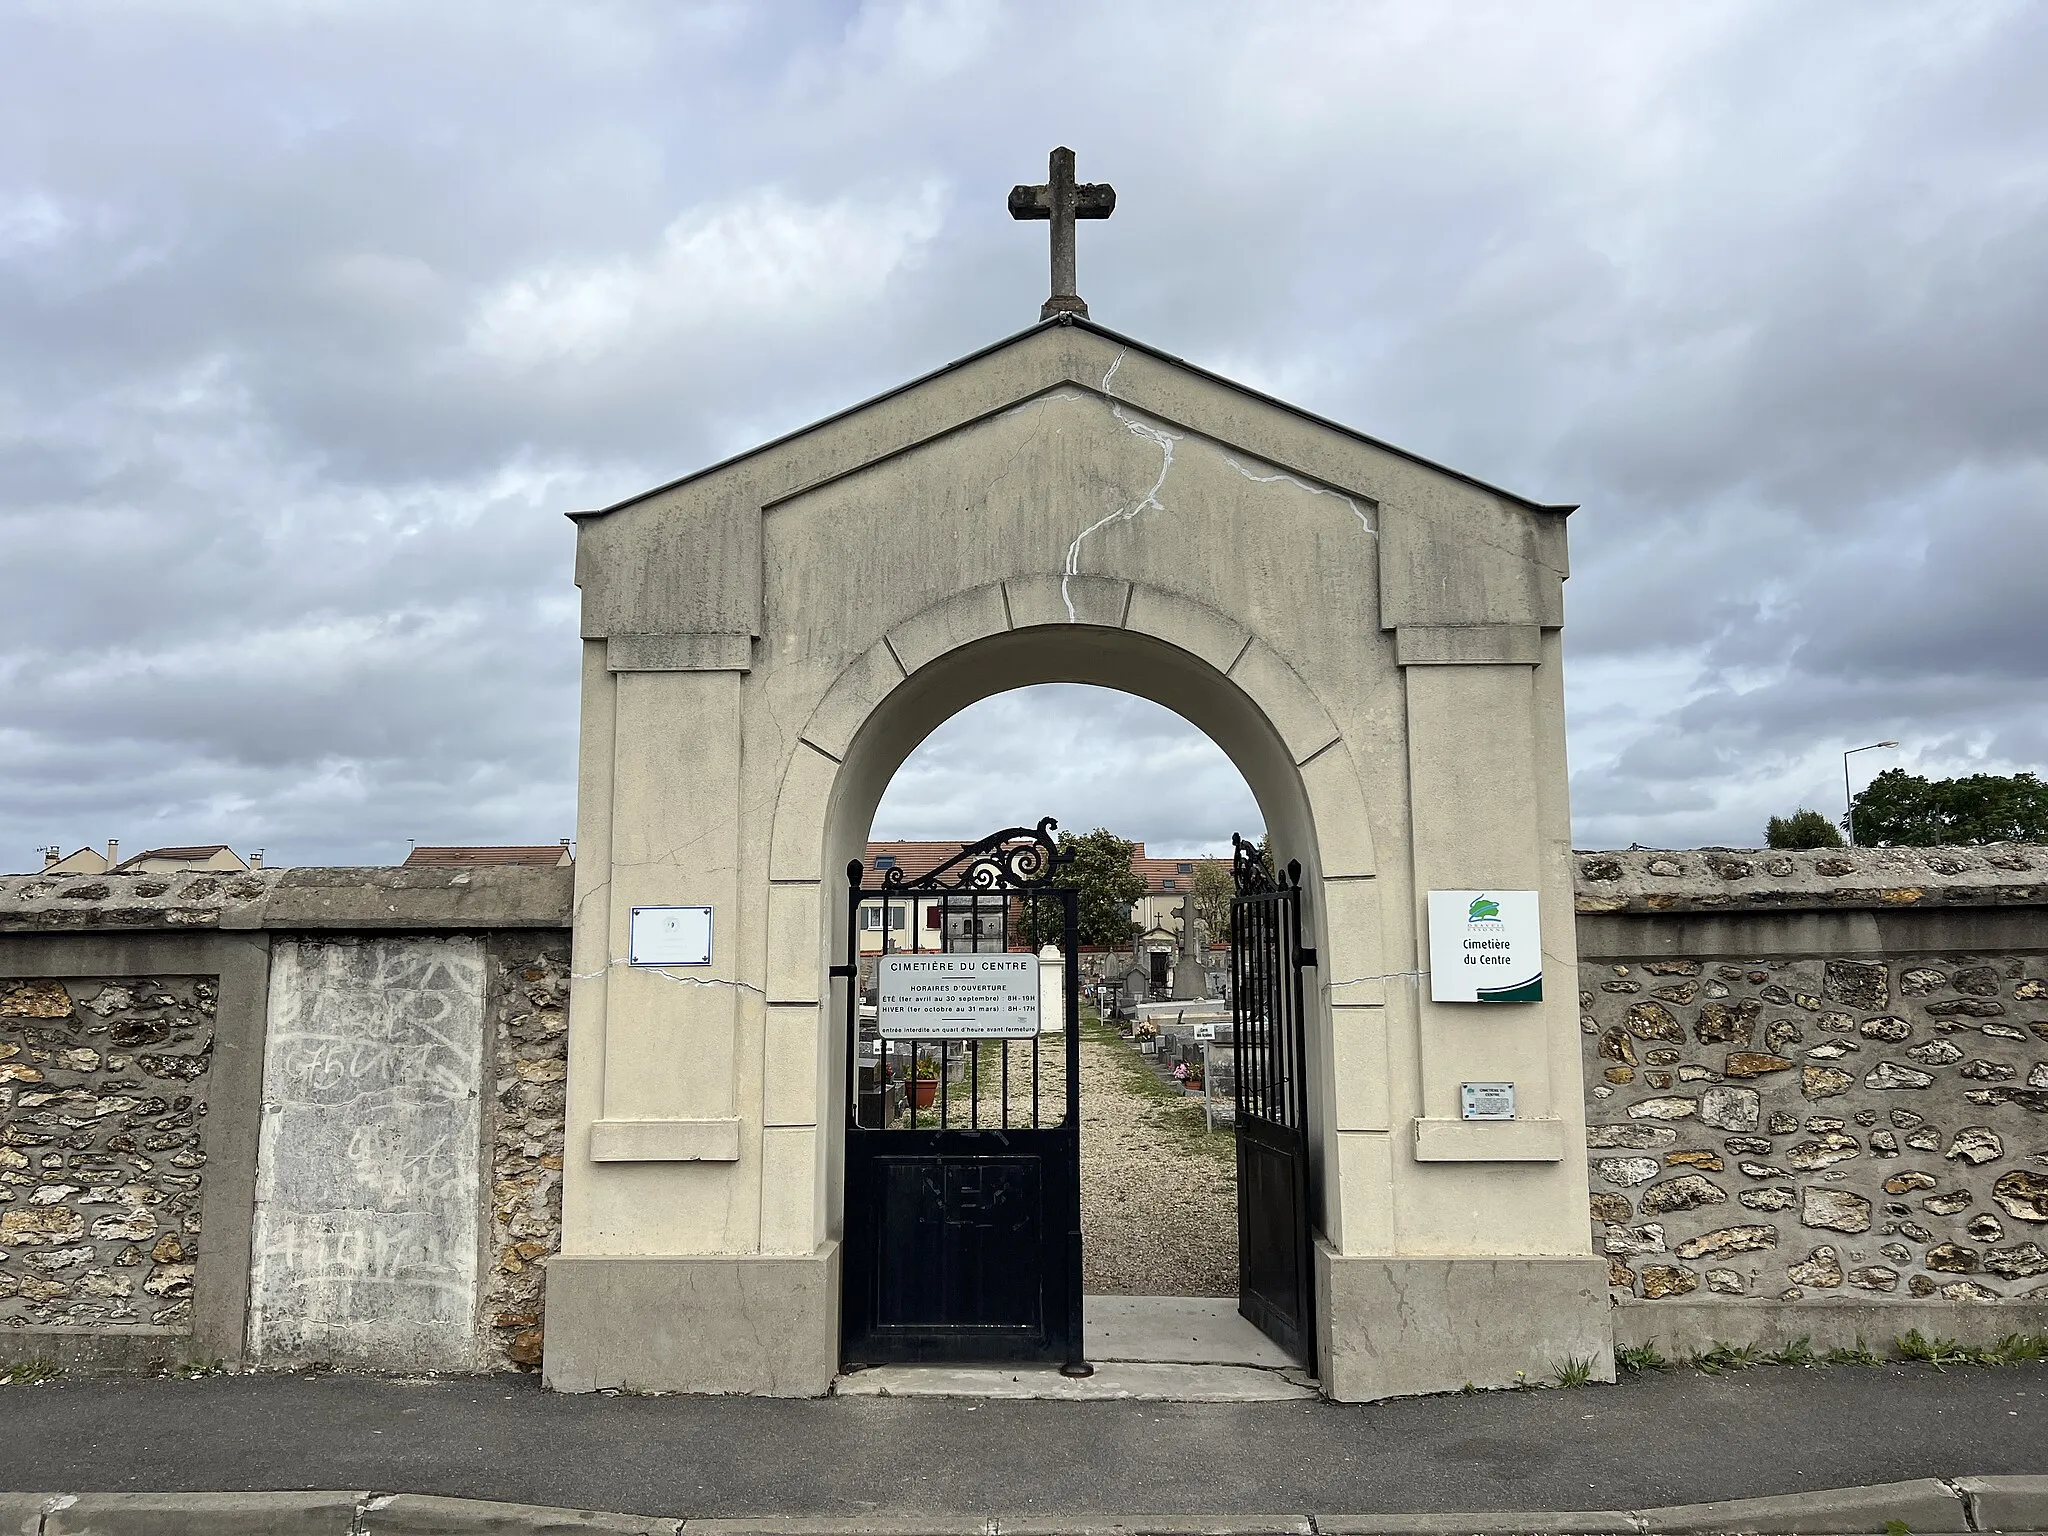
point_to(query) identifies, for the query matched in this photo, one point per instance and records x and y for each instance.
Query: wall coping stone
(356, 899)
(1828, 879)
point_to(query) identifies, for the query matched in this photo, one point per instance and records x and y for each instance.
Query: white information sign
(957, 997)
(1486, 1101)
(1485, 947)
(670, 936)
(1205, 1031)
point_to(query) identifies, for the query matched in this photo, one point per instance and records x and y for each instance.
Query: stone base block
(108, 1351)
(1680, 1327)
(1394, 1327)
(766, 1325)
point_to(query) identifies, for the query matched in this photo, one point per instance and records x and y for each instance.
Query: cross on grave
(1062, 201)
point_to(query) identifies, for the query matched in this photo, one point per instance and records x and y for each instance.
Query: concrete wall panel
(367, 1230)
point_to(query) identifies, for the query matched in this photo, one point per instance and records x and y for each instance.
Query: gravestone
(1190, 964)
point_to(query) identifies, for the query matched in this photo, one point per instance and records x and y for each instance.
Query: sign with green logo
(1485, 947)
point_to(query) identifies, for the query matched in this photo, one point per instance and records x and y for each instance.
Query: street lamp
(1849, 799)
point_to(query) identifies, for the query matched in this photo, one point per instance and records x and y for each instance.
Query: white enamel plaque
(1485, 947)
(957, 997)
(671, 936)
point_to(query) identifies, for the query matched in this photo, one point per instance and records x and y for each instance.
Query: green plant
(926, 1069)
(2018, 1348)
(1098, 869)
(1858, 1355)
(1798, 1352)
(26, 1373)
(1939, 1352)
(1802, 829)
(1724, 1357)
(1576, 1371)
(1640, 1357)
(1897, 1528)
(1904, 810)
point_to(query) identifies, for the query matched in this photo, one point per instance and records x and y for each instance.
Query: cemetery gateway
(1371, 638)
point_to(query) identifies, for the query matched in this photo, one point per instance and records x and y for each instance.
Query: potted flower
(925, 1085)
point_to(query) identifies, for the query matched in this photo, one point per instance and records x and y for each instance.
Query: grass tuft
(1724, 1357)
(1576, 1371)
(1939, 1352)
(1798, 1352)
(1860, 1354)
(2020, 1348)
(1640, 1357)
(26, 1373)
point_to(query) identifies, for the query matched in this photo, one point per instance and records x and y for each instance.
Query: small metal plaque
(670, 936)
(1486, 1101)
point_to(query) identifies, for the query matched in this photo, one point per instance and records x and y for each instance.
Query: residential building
(517, 855)
(218, 857)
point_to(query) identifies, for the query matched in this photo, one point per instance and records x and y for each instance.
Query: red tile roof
(920, 858)
(914, 859)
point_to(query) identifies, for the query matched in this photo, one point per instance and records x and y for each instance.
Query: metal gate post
(1070, 905)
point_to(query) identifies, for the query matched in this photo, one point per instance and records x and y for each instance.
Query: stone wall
(1817, 1095)
(102, 1150)
(298, 1116)
(529, 988)
(1816, 1079)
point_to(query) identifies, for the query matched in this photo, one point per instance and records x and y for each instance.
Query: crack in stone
(1160, 438)
(1314, 490)
(683, 981)
(1353, 981)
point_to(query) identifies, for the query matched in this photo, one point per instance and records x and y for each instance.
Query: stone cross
(1062, 201)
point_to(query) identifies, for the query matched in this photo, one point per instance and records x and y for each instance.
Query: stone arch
(1372, 638)
(1183, 655)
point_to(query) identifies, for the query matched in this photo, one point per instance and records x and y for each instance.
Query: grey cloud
(315, 318)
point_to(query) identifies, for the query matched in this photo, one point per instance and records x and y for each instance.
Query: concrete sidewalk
(1669, 1439)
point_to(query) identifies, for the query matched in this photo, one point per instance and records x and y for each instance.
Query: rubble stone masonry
(102, 1149)
(1795, 1124)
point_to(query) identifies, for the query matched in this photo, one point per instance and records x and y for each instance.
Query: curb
(1924, 1506)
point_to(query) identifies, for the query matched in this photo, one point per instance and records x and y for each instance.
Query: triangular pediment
(684, 559)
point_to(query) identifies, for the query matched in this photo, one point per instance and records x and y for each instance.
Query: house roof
(1158, 871)
(917, 859)
(1118, 339)
(197, 851)
(530, 856)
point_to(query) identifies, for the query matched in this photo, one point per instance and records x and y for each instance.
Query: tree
(1212, 891)
(1802, 829)
(1100, 870)
(1901, 809)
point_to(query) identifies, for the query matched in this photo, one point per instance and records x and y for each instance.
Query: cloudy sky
(315, 317)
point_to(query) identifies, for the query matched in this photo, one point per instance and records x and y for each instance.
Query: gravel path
(1158, 1192)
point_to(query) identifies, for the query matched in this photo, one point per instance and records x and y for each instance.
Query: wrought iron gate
(963, 1156)
(1275, 1283)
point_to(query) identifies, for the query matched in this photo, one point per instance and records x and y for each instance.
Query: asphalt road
(1671, 1438)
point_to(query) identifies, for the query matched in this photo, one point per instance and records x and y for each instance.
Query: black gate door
(1275, 1284)
(963, 1154)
